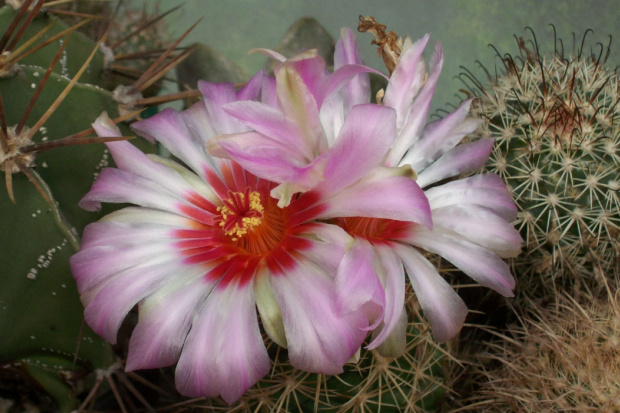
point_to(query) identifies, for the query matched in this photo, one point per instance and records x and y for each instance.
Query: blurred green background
(465, 28)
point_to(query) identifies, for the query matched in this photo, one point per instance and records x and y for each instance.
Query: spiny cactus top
(306, 213)
(555, 118)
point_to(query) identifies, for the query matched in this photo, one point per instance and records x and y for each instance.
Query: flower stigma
(241, 213)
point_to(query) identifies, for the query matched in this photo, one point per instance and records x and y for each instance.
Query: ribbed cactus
(554, 116)
(51, 89)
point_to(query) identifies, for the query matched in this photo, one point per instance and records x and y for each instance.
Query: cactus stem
(15, 56)
(37, 92)
(59, 2)
(144, 27)
(13, 25)
(63, 94)
(89, 131)
(59, 219)
(149, 72)
(32, 13)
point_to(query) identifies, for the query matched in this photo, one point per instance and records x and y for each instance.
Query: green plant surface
(70, 170)
(40, 312)
(77, 51)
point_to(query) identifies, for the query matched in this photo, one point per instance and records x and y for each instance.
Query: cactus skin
(79, 48)
(41, 317)
(555, 120)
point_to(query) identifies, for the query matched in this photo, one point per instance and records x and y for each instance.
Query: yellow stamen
(241, 213)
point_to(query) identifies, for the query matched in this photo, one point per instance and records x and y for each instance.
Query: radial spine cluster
(555, 120)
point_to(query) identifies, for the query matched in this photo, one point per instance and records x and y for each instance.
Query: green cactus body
(72, 59)
(555, 121)
(43, 341)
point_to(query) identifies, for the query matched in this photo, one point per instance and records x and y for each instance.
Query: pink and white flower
(471, 216)
(206, 245)
(470, 225)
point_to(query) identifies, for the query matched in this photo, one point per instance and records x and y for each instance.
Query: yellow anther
(240, 213)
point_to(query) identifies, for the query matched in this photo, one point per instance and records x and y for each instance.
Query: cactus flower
(470, 225)
(206, 246)
(471, 216)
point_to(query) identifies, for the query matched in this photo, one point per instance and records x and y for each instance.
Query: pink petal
(201, 129)
(394, 287)
(108, 303)
(224, 353)
(332, 116)
(110, 233)
(328, 246)
(443, 308)
(170, 128)
(138, 216)
(406, 79)
(386, 193)
(270, 122)
(94, 265)
(299, 104)
(268, 308)
(269, 159)
(362, 143)
(358, 285)
(117, 186)
(320, 340)
(344, 76)
(347, 52)
(269, 53)
(487, 190)
(479, 263)
(165, 319)
(441, 136)
(255, 87)
(130, 159)
(466, 157)
(216, 95)
(481, 226)
(395, 344)
(411, 130)
(310, 67)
